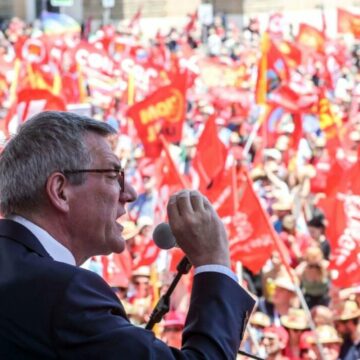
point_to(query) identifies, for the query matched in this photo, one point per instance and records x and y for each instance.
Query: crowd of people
(290, 183)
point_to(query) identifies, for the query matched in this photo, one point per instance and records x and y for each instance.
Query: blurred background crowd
(264, 119)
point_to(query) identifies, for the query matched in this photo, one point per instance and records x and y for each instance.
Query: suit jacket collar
(19, 233)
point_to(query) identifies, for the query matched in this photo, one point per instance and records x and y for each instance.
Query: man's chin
(119, 246)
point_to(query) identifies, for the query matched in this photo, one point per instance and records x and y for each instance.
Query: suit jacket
(51, 310)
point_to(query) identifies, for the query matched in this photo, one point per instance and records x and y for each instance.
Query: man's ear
(57, 190)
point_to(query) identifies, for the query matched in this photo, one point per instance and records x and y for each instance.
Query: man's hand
(198, 230)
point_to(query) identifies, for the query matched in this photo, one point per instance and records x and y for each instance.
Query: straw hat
(295, 319)
(257, 173)
(272, 153)
(130, 229)
(284, 282)
(348, 310)
(260, 319)
(327, 334)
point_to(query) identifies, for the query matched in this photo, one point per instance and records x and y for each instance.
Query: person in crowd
(145, 203)
(314, 277)
(306, 346)
(281, 207)
(60, 200)
(330, 342)
(322, 315)
(173, 327)
(275, 340)
(255, 332)
(347, 323)
(272, 270)
(295, 240)
(141, 296)
(317, 226)
(283, 299)
(295, 322)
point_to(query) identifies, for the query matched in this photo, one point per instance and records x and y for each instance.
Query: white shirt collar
(56, 250)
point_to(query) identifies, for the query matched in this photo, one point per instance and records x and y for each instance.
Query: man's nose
(129, 194)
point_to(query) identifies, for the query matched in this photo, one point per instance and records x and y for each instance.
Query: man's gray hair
(50, 141)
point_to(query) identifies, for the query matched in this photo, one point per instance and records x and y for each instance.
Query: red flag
(348, 23)
(291, 100)
(148, 256)
(311, 37)
(191, 23)
(117, 268)
(28, 103)
(344, 220)
(222, 194)
(211, 153)
(291, 53)
(135, 20)
(251, 236)
(161, 112)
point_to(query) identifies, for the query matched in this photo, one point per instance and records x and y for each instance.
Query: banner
(163, 112)
(311, 37)
(348, 23)
(345, 257)
(251, 237)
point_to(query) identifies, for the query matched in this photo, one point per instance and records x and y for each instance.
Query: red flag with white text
(163, 112)
(251, 236)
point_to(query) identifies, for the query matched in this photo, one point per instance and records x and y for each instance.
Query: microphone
(163, 237)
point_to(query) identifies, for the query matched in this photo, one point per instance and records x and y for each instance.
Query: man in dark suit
(61, 191)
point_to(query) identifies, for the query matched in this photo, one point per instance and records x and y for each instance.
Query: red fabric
(251, 236)
(290, 52)
(117, 269)
(348, 23)
(135, 20)
(311, 37)
(222, 194)
(343, 213)
(190, 26)
(303, 241)
(161, 112)
(32, 101)
(319, 182)
(211, 153)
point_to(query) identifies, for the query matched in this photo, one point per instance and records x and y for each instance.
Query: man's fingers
(183, 203)
(197, 201)
(172, 209)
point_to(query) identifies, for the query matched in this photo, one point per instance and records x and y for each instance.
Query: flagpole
(280, 246)
(254, 130)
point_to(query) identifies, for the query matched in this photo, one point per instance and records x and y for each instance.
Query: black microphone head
(163, 237)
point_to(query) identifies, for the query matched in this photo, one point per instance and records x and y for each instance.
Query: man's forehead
(100, 148)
